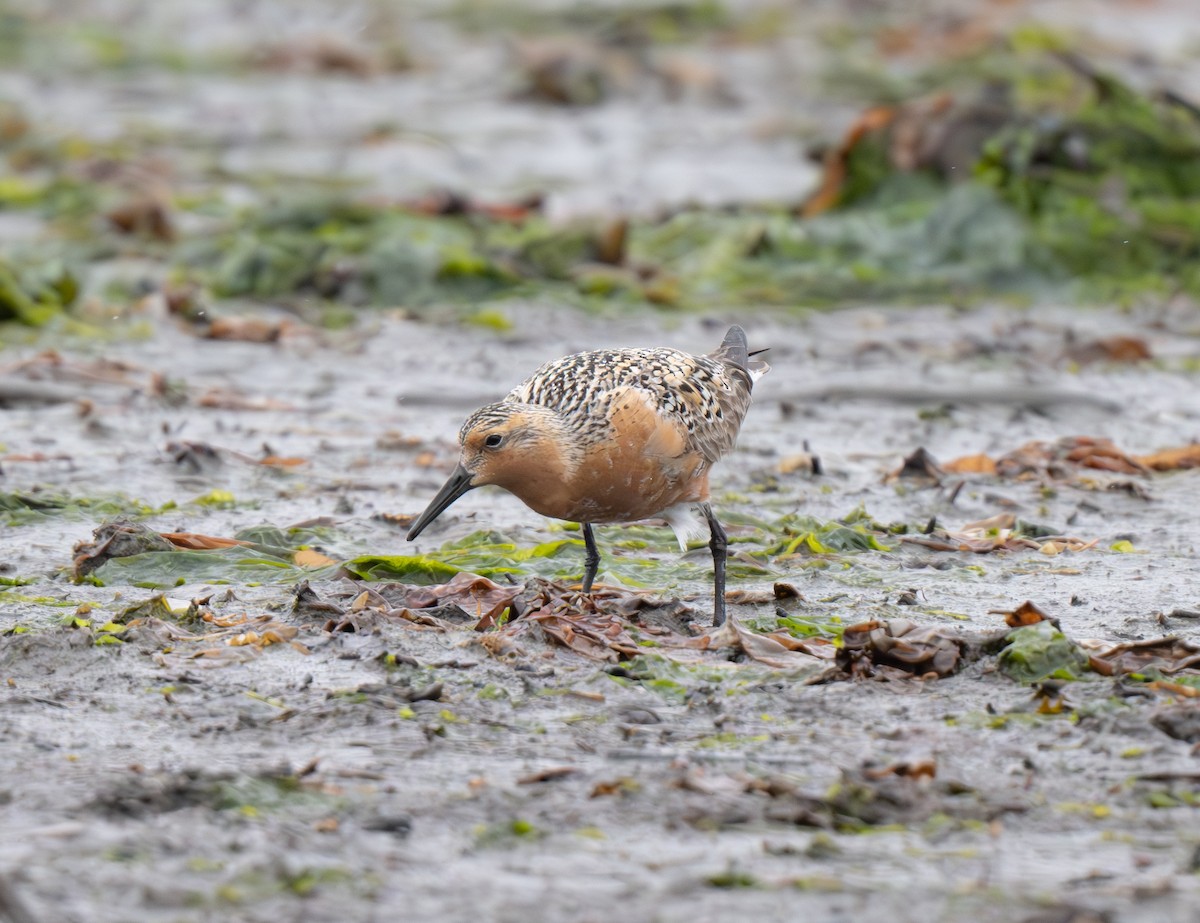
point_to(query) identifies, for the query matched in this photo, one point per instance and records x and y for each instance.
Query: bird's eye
(493, 441)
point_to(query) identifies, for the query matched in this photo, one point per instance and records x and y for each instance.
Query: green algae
(487, 553)
(1027, 217)
(658, 22)
(1081, 181)
(34, 294)
(682, 681)
(506, 834)
(636, 555)
(799, 626)
(1039, 652)
(23, 507)
(421, 570)
(161, 569)
(268, 557)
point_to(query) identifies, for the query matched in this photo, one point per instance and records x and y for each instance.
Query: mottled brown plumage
(612, 435)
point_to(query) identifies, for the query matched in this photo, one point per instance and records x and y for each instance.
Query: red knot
(613, 435)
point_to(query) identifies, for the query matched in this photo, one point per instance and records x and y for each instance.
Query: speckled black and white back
(705, 396)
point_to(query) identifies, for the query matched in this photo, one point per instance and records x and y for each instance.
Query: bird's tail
(734, 351)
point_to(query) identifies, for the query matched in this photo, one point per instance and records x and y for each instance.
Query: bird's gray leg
(719, 545)
(591, 560)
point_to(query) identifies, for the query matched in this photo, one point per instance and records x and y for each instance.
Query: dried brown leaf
(323, 54)
(998, 522)
(919, 466)
(244, 329)
(1101, 454)
(622, 786)
(597, 636)
(1109, 349)
(898, 647)
(1180, 721)
(749, 596)
(610, 242)
(478, 596)
(146, 215)
(779, 650)
(224, 399)
(1059, 459)
(548, 775)
(1165, 655)
(118, 539)
(995, 534)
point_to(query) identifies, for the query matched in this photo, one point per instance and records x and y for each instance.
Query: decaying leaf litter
(307, 719)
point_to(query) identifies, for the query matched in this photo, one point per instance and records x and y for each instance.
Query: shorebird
(613, 435)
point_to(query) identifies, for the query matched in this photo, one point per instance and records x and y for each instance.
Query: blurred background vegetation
(450, 158)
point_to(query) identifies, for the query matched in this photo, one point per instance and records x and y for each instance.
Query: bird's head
(512, 445)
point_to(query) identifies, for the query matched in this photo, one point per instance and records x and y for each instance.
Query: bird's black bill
(458, 484)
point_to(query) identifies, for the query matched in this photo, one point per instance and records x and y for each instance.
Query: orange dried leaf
(193, 541)
(400, 520)
(278, 461)
(36, 457)
(275, 633)
(834, 177)
(1025, 614)
(801, 462)
(225, 621)
(906, 769)
(279, 633)
(971, 464)
(1187, 456)
(306, 557)
(1180, 689)
(620, 786)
